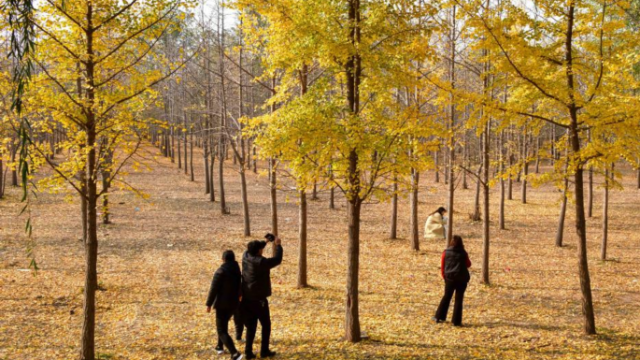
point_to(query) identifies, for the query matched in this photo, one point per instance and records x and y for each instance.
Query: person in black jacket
(454, 269)
(224, 296)
(256, 288)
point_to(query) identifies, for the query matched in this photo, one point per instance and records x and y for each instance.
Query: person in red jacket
(454, 270)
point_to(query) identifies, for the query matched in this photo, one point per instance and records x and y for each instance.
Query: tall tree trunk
(605, 214)
(525, 167)
(302, 248)
(179, 148)
(191, 155)
(242, 155)
(223, 115)
(436, 157)
(106, 185)
(393, 229)
(537, 154)
(173, 142)
(273, 196)
(352, 320)
(212, 184)
(255, 160)
(574, 135)
(465, 161)
(245, 200)
(451, 126)
(272, 175)
(485, 209)
(590, 186)
(502, 182)
(91, 244)
(14, 171)
(205, 163)
(414, 223)
(353, 72)
(221, 193)
(476, 216)
(1, 178)
(184, 138)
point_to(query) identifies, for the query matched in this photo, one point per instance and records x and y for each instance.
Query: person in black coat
(454, 269)
(256, 288)
(224, 296)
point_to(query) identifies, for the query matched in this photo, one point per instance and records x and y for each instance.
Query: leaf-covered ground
(156, 262)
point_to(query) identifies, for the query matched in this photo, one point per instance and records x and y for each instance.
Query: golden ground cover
(156, 262)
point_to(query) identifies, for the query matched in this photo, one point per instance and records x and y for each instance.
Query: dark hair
(456, 242)
(254, 247)
(440, 210)
(228, 256)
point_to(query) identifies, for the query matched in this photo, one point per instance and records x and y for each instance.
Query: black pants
(222, 325)
(238, 322)
(449, 288)
(254, 311)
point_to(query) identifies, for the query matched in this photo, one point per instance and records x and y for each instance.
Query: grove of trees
(366, 98)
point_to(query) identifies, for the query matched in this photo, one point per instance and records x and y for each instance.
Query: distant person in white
(435, 227)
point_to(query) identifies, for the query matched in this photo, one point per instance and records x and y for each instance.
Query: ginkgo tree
(96, 65)
(567, 64)
(345, 119)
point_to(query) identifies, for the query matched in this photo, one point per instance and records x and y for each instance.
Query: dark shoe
(436, 320)
(249, 356)
(457, 325)
(219, 350)
(236, 356)
(267, 354)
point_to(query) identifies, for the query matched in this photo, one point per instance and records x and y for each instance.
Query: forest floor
(156, 261)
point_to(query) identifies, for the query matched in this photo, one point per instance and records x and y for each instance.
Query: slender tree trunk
(302, 248)
(563, 206)
(14, 171)
(605, 215)
(451, 126)
(415, 237)
(106, 185)
(273, 196)
(525, 167)
(255, 161)
(91, 243)
(436, 158)
(485, 203)
(245, 200)
(476, 216)
(590, 193)
(352, 320)
(1, 178)
(590, 186)
(212, 184)
(574, 135)
(353, 73)
(205, 163)
(191, 156)
(173, 143)
(465, 160)
(223, 116)
(502, 183)
(242, 155)
(538, 154)
(393, 229)
(179, 148)
(563, 211)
